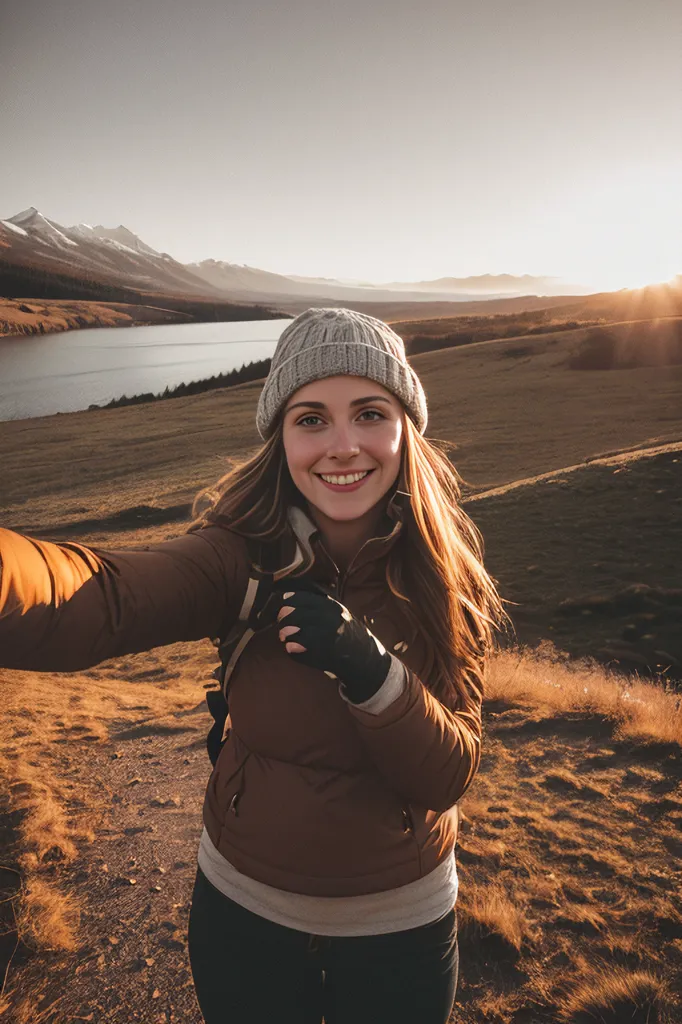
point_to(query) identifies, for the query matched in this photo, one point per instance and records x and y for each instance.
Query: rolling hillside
(571, 846)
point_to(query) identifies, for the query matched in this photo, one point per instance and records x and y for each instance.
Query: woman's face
(341, 426)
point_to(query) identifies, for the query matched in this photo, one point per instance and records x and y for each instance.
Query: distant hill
(41, 258)
(251, 283)
(628, 305)
(496, 284)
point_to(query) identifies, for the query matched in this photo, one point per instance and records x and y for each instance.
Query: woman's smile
(344, 481)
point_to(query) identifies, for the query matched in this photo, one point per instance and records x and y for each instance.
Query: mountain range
(33, 246)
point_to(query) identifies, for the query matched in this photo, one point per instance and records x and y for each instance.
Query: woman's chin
(347, 509)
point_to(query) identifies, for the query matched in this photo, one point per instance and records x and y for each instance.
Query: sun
(622, 230)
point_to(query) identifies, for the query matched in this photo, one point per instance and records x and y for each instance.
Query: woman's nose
(343, 443)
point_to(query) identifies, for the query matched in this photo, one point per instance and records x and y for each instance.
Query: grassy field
(571, 842)
(513, 409)
(45, 316)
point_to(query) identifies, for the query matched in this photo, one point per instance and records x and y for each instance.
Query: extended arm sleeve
(427, 752)
(65, 607)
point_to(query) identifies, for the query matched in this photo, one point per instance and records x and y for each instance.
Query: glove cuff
(379, 692)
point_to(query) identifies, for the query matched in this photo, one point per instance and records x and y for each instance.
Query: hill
(628, 305)
(582, 772)
(590, 558)
(570, 853)
(82, 275)
(42, 259)
(513, 410)
(45, 316)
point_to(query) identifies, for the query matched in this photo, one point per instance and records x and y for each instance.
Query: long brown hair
(436, 568)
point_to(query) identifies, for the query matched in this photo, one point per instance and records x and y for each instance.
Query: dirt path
(580, 829)
(134, 882)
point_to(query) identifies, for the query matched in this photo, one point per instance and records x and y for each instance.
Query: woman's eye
(313, 416)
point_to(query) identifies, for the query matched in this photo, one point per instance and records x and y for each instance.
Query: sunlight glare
(622, 232)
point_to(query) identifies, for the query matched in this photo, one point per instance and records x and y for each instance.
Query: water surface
(67, 371)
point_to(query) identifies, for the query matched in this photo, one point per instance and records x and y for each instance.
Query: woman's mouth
(345, 481)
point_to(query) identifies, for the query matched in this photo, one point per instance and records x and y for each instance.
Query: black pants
(248, 970)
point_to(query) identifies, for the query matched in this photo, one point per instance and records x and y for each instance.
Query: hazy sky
(366, 139)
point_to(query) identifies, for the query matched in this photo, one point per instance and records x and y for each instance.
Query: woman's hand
(319, 631)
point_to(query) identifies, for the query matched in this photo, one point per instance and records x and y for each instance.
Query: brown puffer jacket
(310, 794)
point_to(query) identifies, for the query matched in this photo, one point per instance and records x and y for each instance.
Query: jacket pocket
(408, 826)
(234, 788)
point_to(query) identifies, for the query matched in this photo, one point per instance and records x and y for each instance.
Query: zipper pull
(233, 803)
(408, 824)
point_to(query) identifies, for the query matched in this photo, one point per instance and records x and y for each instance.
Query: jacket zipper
(342, 577)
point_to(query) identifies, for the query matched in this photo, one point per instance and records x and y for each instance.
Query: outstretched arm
(65, 607)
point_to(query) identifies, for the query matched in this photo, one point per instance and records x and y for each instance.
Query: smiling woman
(327, 858)
(392, 564)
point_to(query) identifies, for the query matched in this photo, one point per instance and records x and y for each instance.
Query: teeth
(349, 478)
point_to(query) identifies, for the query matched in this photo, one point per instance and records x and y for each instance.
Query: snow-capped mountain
(34, 247)
(113, 256)
(121, 235)
(32, 222)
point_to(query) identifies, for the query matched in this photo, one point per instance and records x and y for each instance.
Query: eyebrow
(356, 401)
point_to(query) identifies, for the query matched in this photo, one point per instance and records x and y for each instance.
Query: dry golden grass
(569, 856)
(47, 726)
(644, 711)
(49, 918)
(552, 886)
(492, 912)
(45, 316)
(614, 996)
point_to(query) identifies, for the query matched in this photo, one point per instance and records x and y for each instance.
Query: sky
(380, 141)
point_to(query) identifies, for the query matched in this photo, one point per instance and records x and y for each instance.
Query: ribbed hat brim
(329, 342)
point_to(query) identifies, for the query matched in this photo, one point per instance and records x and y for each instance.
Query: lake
(42, 374)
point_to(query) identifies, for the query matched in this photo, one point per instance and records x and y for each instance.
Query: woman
(326, 882)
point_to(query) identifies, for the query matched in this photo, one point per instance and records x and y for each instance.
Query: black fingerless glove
(334, 640)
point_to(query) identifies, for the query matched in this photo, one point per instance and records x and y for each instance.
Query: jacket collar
(309, 548)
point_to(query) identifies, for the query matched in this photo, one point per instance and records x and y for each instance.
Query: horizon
(350, 281)
(353, 282)
(395, 145)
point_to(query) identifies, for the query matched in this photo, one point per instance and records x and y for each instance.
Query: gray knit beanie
(325, 342)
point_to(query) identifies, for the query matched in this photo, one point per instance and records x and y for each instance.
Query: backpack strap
(259, 588)
(263, 574)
